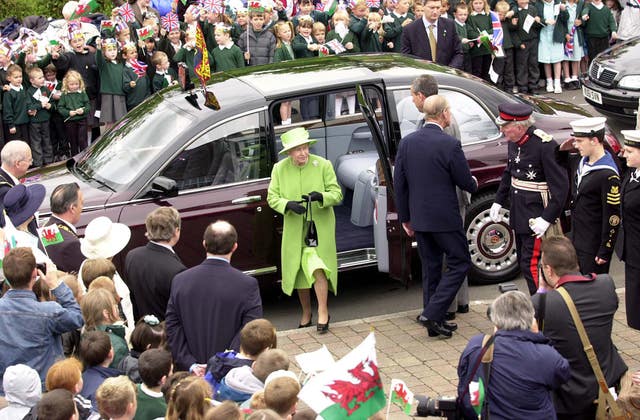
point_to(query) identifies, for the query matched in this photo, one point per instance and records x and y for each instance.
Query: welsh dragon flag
(84, 8)
(350, 389)
(401, 395)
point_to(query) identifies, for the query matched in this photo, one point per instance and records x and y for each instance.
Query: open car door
(393, 246)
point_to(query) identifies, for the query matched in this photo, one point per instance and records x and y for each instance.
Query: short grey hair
(425, 84)
(512, 311)
(434, 106)
(526, 123)
(14, 151)
(162, 223)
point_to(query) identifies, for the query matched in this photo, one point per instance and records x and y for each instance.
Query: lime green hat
(294, 138)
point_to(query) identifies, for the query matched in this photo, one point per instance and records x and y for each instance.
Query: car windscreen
(122, 155)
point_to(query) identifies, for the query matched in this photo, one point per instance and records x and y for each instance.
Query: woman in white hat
(104, 239)
(631, 226)
(303, 175)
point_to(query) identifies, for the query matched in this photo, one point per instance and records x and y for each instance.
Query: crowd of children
(104, 78)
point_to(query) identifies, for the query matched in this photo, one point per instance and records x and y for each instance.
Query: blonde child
(461, 15)
(319, 32)
(394, 23)
(373, 34)
(342, 33)
(164, 76)
(358, 19)
(480, 21)
(227, 55)
(575, 36)
(135, 82)
(504, 65)
(418, 9)
(113, 101)
(306, 45)
(117, 399)
(74, 106)
(100, 312)
(284, 52)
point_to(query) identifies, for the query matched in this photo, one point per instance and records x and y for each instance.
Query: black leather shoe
(308, 324)
(422, 321)
(436, 328)
(324, 328)
(450, 316)
(463, 309)
(451, 326)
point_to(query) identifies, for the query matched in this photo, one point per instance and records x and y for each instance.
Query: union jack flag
(127, 13)
(568, 46)
(375, 4)
(170, 22)
(498, 35)
(139, 67)
(213, 6)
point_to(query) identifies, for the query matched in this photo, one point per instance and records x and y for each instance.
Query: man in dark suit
(416, 37)
(430, 210)
(66, 208)
(596, 300)
(210, 303)
(16, 159)
(151, 268)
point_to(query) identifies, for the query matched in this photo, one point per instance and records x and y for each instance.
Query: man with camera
(30, 330)
(596, 301)
(524, 365)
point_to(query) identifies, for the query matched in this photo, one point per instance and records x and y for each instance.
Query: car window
(123, 153)
(234, 151)
(474, 123)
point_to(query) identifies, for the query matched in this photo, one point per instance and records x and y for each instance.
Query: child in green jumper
(284, 52)
(480, 21)
(135, 82)
(111, 73)
(599, 25)
(14, 106)
(164, 76)
(38, 110)
(227, 55)
(74, 106)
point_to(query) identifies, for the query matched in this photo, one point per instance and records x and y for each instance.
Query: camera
(42, 267)
(446, 407)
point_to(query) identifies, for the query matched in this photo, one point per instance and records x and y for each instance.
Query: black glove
(314, 196)
(295, 207)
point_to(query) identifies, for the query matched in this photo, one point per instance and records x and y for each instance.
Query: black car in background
(613, 83)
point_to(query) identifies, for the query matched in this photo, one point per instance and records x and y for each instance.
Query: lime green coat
(289, 182)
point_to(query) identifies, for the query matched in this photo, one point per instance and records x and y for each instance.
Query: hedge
(48, 8)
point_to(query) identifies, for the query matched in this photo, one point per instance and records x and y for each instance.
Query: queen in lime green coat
(303, 267)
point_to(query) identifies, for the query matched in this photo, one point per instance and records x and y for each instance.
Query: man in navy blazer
(210, 303)
(415, 40)
(429, 166)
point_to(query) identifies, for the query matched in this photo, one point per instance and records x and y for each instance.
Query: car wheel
(492, 245)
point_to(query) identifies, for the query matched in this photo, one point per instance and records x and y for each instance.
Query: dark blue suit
(208, 306)
(448, 46)
(429, 166)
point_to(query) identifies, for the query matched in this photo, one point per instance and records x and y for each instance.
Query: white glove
(539, 226)
(495, 214)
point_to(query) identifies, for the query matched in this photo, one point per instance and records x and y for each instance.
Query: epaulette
(543, 136)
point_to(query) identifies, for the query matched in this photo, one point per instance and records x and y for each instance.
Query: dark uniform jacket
(149, 271)
(532, 159)
(631, 220)
(595, 211)
(597, 302)
(66, 255)
(85, 64)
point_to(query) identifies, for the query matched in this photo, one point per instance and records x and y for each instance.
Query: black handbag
(310, 231)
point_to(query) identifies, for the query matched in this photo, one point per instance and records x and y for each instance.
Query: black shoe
(463, 309)
(450, 316)
(451, 326)
(308, 324)
(437, 328)
(324, 328)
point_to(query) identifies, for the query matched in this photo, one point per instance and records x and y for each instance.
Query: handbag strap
(604, 393)
(309, 211)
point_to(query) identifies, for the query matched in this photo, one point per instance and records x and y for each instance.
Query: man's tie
(432, 43)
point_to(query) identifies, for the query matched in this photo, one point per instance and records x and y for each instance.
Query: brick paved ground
(427, 365)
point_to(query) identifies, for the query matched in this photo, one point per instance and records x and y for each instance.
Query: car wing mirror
(163, 187)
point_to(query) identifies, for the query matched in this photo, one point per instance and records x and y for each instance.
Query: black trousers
(504, 67)
(596, 45)
(632, 295)
(526, 66)
(528, 249)
(77, 134)
(40, 142)
(480, 66)
(588, 264)
(438, 288)
(22, 133)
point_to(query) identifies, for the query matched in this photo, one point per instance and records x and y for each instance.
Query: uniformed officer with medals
(595, 204)
(534, 183)
(631, 226)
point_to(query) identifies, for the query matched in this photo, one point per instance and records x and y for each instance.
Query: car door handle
(246, 200)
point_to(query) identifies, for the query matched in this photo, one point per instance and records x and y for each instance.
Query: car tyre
(492, 245)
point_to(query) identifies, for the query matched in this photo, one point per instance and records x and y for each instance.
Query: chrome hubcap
(492, 245)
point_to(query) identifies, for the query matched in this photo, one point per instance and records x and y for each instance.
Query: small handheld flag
(144, 33)
(84, 8)
(50, 235)
(126, 12)
(401, 395)
(170, 22)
